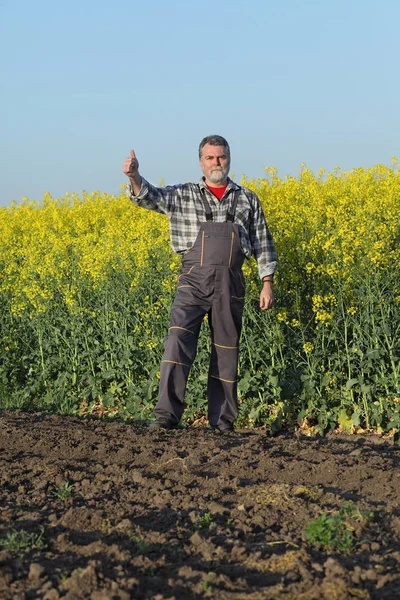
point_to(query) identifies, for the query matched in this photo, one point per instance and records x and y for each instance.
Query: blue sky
(286, 82)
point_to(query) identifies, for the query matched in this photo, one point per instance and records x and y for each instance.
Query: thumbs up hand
(131, 165)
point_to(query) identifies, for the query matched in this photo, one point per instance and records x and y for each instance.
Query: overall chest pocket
(217, 248)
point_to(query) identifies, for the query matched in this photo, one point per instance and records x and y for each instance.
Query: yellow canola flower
(56, 248)
(308, 347)
(282, 316)
(336, 225)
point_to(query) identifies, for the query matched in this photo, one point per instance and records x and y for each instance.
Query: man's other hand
(267, 296)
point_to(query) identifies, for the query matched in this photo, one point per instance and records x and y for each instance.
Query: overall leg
(225, 325)
(187, 314)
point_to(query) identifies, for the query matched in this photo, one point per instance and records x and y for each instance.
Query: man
(214, 226)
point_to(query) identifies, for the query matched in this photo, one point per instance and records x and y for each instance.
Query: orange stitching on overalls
(176, 363)
(226, 380)
(230, 256)
(182, 274)
(184, 329)
(230, 347)
(202, 248)
(238, 297)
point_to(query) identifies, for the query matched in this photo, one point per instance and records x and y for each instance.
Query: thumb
(133, 155)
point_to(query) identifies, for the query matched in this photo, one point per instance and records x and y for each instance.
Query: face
(215, 163)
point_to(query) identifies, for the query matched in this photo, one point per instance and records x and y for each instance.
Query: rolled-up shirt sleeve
(261, 241)
(160, 200)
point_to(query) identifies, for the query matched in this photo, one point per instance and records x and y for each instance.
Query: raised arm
(145, 195)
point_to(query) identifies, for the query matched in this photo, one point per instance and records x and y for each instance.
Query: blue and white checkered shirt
(183, 205)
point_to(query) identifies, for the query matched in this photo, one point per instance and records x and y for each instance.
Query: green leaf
(355, 418)
(325, 380)
(350, 383)
(254, 414)
(345, 422)
(274, 380)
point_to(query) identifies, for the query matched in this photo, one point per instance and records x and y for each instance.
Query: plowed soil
(115, 511)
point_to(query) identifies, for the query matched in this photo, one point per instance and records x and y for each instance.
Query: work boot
(161, 424)
(222, 429)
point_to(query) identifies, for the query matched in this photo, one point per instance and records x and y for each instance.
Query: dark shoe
(161, 424)
(222, 428)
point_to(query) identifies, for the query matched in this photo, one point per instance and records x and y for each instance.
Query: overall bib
(210, 282)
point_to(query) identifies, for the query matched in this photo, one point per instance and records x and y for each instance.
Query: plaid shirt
(184, 207)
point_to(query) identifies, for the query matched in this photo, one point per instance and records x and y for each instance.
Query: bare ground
(190, 513)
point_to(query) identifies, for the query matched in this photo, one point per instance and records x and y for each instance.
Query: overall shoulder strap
(206, 205)
(230, 215)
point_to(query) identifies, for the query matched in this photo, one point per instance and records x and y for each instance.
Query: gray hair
(214, 140)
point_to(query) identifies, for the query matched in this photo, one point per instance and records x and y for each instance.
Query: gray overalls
(210, 282)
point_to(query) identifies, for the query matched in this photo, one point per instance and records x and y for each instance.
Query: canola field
(86, 283)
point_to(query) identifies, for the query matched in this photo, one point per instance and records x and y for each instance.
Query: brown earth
(191, 513)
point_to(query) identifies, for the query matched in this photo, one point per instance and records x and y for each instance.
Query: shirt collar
(231, 184)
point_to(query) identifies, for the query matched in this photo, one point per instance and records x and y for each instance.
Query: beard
(218, 174)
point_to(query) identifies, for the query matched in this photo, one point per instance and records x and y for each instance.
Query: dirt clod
(35, 571)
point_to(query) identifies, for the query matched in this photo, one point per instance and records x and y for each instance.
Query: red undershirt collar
(218, 192)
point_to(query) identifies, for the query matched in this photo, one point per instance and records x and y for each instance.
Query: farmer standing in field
(214, 226)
